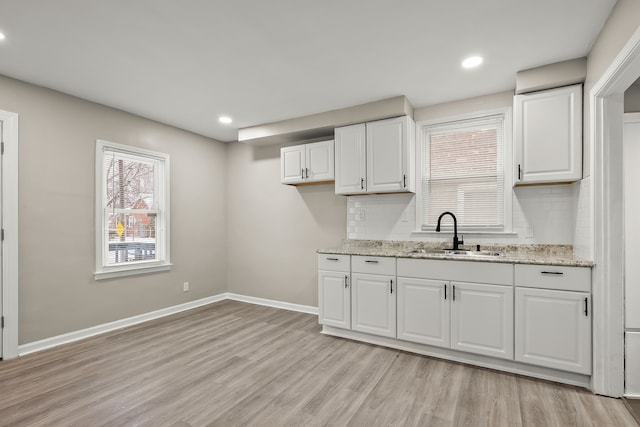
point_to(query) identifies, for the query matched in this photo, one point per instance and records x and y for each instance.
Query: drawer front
(373, 265)
(460, 271)
(332, 262)
(553, 277)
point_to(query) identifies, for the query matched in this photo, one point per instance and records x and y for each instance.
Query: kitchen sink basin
(459, 252)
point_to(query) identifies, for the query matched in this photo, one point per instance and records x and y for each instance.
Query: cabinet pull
(346, 281)
(302, 173)
(333, 259)
(552, 273)
(445, 291)
(362, 183)
(404, 181)
(306, 173)
(586, 306)
(372, 261)
(453, 292)
(519, 173)
(391, 281)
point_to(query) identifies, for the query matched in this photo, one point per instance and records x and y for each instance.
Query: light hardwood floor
(232, 363)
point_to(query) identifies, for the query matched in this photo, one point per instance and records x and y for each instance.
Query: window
(463, 171)
(132, 210)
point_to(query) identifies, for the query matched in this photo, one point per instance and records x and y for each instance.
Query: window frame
(423, 129)
(161, 191)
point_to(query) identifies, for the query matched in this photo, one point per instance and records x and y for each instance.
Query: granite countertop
(560, 255)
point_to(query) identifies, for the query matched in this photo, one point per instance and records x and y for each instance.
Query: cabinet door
(423, 311)
(482, 319)
(334, 299)
(350, 155)
(373, 304)
(548, 136)
(387, 155)
(292, 164)
(319, 162)
(553, 329)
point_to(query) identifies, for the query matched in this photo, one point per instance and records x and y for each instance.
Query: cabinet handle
(372, 261)
(362, 183)
(306, 172)
(453, 292)
(586, 306)
(404, 181)
(333, 259)
(519, 173)
(391, 281)
(302, 173)
(346, 281)
(552, 273)
(445, 291)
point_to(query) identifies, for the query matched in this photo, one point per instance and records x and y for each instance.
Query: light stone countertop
(559, 255)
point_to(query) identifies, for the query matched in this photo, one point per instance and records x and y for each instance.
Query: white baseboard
(112, 326)
(273, 303)
(46, 343)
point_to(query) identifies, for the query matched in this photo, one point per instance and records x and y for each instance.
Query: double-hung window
(463, 171)
(132, 210)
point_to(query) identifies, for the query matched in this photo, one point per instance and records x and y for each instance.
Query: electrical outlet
(185, 286)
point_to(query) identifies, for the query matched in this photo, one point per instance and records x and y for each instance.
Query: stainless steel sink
(462, 253)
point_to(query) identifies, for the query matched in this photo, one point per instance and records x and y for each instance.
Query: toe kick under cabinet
(532, 314)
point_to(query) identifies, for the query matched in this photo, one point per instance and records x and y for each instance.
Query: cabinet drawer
(460, 271)
(334, 262)
(553, 277)
(374, 265)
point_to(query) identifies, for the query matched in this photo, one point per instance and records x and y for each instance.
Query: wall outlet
(185, 286)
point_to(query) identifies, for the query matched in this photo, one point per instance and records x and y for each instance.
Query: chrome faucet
(456, 242)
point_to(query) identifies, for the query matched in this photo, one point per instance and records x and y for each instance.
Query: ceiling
(187, 62)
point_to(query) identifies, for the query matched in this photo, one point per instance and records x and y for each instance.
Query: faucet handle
(461, 240)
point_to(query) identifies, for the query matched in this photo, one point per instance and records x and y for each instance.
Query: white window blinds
(463, 172)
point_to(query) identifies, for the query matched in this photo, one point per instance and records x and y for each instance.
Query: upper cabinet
(307, 164)
(548, 136)
(376, 157)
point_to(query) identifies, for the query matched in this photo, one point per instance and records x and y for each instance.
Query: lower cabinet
(553, 329)
(469, 317)
(373, 308)
(334, 299)
(482, 319)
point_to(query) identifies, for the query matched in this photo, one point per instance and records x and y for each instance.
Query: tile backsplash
(550, 214)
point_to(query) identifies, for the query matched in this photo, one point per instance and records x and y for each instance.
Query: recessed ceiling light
(472, 62)
(2, 36)
(225, 119)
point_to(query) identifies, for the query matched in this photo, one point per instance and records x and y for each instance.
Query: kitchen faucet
(456, 242)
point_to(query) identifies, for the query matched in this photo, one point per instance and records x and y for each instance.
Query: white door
(482, 319)
(334, 299)
(373, 304)
(387, 155)
(292, 164)
(319, 162)
(553, 329)
(351, 159)
(423, 311)
(548, 135)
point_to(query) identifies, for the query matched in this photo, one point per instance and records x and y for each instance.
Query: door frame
(606, 112)
(10, 243)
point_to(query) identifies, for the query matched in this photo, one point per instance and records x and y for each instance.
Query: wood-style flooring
(232, 363)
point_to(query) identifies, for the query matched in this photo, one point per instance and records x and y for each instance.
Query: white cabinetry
(553, 317)
(376, 157)
(423, 311)
(482, 319)
(548, 136)
(373, 304)
(334, 294)
(308, 163)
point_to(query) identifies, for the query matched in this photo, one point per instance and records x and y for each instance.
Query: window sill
(461, 232)
(130, 270)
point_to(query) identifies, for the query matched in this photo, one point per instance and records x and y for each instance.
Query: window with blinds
(463, 172)
(132, 202)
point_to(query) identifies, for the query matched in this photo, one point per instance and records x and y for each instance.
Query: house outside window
(464, 168)
(132, 210)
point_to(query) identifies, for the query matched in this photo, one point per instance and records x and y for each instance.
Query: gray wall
(620, 26)
(58, 293)
(632, 98)
(274, 230)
